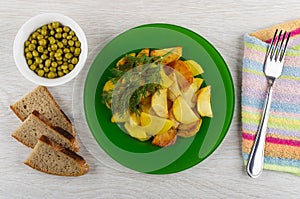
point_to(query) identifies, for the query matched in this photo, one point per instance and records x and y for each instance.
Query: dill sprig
(131, 86)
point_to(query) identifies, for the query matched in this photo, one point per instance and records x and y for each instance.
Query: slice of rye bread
(52, 158)
(34, 127)
(41, 100)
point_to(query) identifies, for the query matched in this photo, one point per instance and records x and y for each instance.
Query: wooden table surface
(221, 175)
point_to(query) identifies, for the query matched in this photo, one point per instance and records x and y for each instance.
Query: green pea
(34, 35)
(35, 53)
(55, 24)
(66, 71)
(34, 41)
(52, 32)
(39, 30)
(64, 35)
(43, 42)
(40, 49)
(51, 54)
(60, 73)
(46, 69)
(52, 69)
(58, 35)
(31, 47)
(77, 44)
(59, 68)
(40, 73)
(47, 62)
(74, 60)
(49, 26)
(44, 27)
(66, 28)
(54, 64)
(29, 62)
(38, 60)
(64, 41)
(51, 75)
(41, 66)
(59, 29)
(68, 55)
(77, 51)
(60, 44)
(51, 40)
(72, 49)
(44, 32)
(59, 62)
(72, 33)
(70, 66)
(26, 50)
(69, 37)
(64, 67)
(39, 37)
(66, 50)
(28, 55)
(53, 47)
(75, 38)
(27, 43)
(57, 54)
(58, 58)
(59, 51)
(46, 52)
(32, 67)
(71, 43)
(44, 56)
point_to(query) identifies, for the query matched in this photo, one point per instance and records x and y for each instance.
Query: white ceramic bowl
(30, 26)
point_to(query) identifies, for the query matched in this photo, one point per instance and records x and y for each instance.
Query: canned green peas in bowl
(50, 49)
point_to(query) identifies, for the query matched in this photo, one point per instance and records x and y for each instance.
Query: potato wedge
(183, 112)
(144, 52)
(197, 83)
(189, 130)
(154, 125)
(124, 60)
(184, 70)
(137, 132)
(116, 118)
(134, 119)
(159, 103)
(194, 67)
(172, 118)
(165, 139)
(203, 102)
(174, 54)
(165, 80)
(174, 90)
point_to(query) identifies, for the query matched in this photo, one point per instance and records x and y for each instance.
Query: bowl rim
(32, 24)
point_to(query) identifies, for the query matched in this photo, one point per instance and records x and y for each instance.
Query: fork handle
(256, 157)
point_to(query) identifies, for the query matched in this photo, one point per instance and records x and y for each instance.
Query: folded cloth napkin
(282, 148)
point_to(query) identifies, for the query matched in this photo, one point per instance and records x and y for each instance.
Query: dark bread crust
(81, 162)
(66, 134)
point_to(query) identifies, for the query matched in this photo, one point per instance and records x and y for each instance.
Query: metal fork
(273, 65)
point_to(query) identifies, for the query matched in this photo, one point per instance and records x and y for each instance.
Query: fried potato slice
(194, 67)
(189, 130)
(184, 70)
(165, 139)
(174, 54)
(203, 102)
(144, 52)
(159, 103)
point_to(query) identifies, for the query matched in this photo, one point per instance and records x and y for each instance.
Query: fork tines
(276, 50)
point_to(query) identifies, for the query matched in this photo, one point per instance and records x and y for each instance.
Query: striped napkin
(282, 148)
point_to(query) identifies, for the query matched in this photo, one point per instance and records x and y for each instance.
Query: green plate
(143, 156)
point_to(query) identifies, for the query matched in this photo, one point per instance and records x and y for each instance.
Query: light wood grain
(222, 175)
